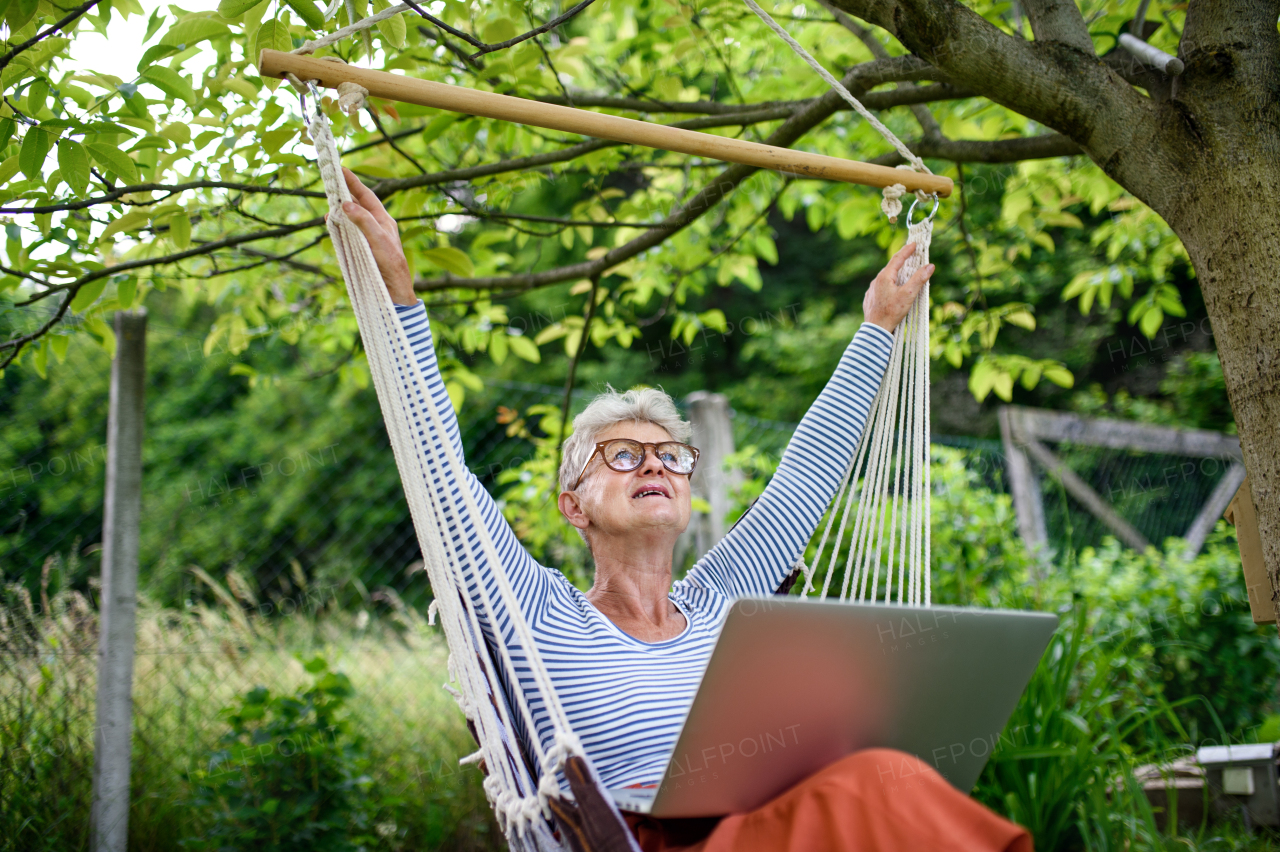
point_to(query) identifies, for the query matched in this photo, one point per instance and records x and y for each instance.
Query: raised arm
(759, 551)
(529, 579)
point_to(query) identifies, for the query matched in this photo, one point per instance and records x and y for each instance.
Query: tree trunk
(1224, 114)
(1233, 238)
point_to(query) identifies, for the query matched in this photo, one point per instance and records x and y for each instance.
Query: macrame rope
(519, 803)
(892, 204)
(886, 488)
(885, 491)
(358, 26)
(839, 87)
(890, 461)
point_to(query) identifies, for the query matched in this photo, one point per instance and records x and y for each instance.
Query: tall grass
(191, 664)
(1064, 767)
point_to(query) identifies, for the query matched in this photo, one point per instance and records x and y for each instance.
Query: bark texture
(1202, 150)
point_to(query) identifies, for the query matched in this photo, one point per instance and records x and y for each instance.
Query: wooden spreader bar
(395, 87)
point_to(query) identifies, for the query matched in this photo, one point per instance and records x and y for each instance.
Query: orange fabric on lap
(877, 800)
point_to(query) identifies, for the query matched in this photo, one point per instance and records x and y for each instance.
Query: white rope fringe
(886, 488)
(519, 801)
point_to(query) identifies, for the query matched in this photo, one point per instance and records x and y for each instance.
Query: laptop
(794, 685)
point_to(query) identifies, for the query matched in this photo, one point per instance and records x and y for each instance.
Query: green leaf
(20, 12)
(191, 31)
(393, 29)
(157, 52)
(73, 162)
(436, 126)
(524, 348)
(127, 291)
(498, 31)
(1151, 321)
(37, 95)
(180, 230)
(273, 35)
(497, 346)
(40, 359)
(105, 334)
(450, 260)
(315, 665)
(1003, 386)
(273, 140)
(241, 87)
(178, 133)
(114, 159)
(35, 147)
(170, 82)
(307, 10)
(981, 379)
(1022, 319)
(1059, 375)
(58, 343)
(8, 169)
(87, 295)
(236, 8)
(153, 25)
(130, 220)
(7, 127)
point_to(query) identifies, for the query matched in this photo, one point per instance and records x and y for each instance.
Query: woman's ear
(570, 503)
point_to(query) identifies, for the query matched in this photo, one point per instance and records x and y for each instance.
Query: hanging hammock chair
(550, 798)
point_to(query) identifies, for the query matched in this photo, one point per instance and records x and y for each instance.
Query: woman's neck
(631, 588)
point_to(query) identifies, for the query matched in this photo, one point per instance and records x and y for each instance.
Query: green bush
(291, 773)
(1188, 625)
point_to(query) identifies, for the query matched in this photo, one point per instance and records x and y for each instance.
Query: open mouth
(651, 491)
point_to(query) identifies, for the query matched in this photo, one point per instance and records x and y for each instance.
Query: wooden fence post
(1028, 504)
(713, 436)
(122, 515)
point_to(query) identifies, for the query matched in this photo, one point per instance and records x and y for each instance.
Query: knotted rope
(891, 462)
(520, 803)
(892, 204)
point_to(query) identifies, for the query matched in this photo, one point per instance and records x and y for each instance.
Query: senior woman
(626, 656)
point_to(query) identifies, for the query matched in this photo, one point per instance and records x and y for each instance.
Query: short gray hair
(639, 405)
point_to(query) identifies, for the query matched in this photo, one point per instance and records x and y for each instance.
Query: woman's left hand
(383, 234)
(886, 304)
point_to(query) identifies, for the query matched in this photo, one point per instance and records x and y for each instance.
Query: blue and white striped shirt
(625, 698)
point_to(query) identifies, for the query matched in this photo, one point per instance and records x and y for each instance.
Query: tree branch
(1060, 21)
(484, 48)
(857, 80)
(980, 151)
(1059, 85)
(549, 25)
(16, 343)
(72, 17)
(171, 190)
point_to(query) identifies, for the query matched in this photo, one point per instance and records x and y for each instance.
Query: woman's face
(649, 499)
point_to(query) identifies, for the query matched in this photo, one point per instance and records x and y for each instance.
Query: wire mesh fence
(273, 526)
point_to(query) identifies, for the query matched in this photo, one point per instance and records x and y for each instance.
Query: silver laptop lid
(794, 685)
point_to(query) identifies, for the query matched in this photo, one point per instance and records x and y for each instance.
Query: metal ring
(912, 209)
(315, 96)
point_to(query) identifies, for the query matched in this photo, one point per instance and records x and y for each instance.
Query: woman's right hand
(886, 304)
(383, 234)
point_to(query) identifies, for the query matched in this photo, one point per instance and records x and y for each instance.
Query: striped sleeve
(759, 551)
(529, 579)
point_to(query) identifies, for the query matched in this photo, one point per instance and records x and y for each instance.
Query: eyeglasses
(624, 454)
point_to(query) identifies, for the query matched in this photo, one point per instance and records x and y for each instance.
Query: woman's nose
(652, 464)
